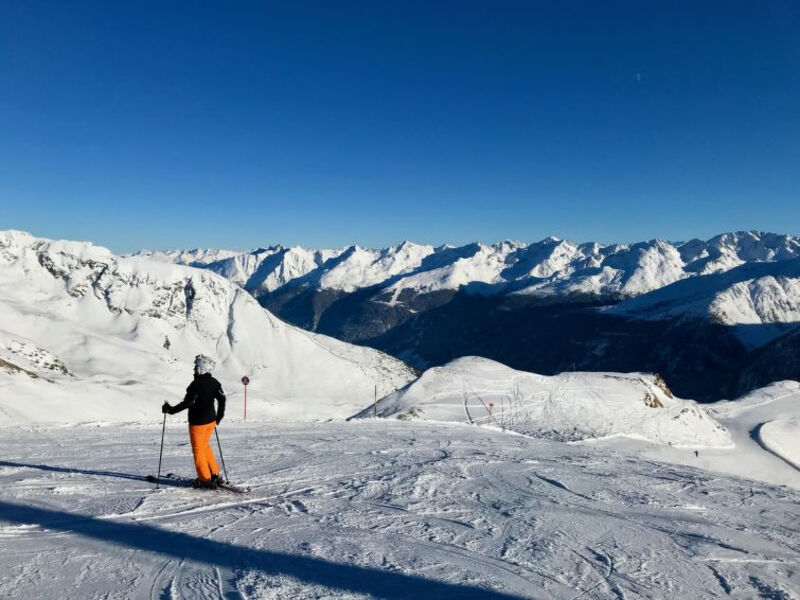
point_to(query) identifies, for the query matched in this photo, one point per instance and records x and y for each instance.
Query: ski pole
(161, 452)
(222, 458)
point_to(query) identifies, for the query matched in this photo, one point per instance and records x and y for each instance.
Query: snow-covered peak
(11, 238)
(14, 242)
(450, 268)
(195, 257)
(267, 269)
(112, 319)
(541, 260)
(762, 294)
(240, 267)
(649, 266)
(729, 250)
(289, 265)
(359, 267)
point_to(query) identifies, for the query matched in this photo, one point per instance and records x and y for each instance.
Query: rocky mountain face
(694, 311)
(105, 326)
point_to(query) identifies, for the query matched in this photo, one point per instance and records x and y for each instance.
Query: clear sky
(236, 124)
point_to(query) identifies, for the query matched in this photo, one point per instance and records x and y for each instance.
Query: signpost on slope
(491, 405)
(245, 383)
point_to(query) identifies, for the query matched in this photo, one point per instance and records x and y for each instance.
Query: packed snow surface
(782, 438)
(568, 407)
(766, 419)
(380, 509)
(87, 335)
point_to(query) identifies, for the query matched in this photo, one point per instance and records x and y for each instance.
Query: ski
(228, 487)
(175, 480)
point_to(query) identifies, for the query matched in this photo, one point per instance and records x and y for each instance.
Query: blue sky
(169, 125)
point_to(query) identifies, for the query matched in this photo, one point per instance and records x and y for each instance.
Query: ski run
(382, 509)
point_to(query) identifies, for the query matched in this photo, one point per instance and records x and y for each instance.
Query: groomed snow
(743, 418)
(782, 438)
(765, 427)
(380, 509)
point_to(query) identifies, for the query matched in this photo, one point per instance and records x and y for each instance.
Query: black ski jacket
(199, 400)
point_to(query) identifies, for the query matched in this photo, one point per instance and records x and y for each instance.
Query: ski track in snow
(381, 509)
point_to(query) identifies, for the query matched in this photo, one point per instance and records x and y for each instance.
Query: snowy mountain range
(693, 311)
(89, 336)
(191, 258)
(117, 336)
(477, 481)
(548, 267)
(761, 300)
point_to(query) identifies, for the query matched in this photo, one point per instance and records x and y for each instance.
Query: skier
(203, 419)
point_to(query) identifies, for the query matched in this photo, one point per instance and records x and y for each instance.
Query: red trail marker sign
(245, 383)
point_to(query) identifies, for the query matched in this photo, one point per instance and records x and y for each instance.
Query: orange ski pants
(204, 461)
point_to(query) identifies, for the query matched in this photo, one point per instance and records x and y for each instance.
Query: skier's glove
(219, 418)
(166, 408)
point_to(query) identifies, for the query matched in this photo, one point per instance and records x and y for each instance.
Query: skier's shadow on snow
(307, 569)
(142, 478)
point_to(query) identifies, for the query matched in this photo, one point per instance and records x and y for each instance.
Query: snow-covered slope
(761, 300)
(568, 407)
(754, 437)
(381, 509)
(86, 335)
(782, 438)
(766, 419)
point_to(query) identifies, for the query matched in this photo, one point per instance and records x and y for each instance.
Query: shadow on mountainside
(309, 570)
(698, 358)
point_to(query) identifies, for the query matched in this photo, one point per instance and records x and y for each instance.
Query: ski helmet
(203, 364)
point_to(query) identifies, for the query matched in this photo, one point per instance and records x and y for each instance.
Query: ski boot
(208, 484)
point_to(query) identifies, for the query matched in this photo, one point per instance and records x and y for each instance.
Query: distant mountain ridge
(693, 311)
(190, 258)
(548, 267)
(759, 293)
